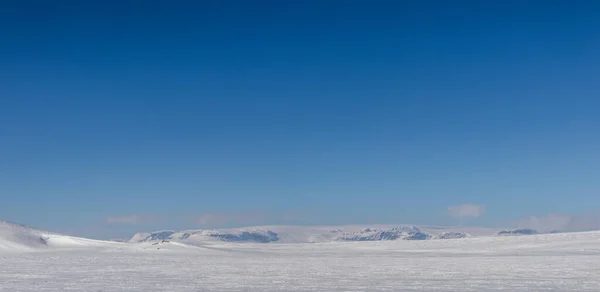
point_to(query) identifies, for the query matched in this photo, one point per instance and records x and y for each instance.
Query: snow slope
(543, 262)
(16, 238)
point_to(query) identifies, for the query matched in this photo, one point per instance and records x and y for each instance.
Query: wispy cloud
(466, 210)
(562, 222)
(131, 219)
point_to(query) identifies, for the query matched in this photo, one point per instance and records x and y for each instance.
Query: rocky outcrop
(452, 235)
(518, 232)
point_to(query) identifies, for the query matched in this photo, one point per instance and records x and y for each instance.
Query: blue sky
(118, 117)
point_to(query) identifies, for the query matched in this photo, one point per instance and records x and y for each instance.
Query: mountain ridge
(315, 234)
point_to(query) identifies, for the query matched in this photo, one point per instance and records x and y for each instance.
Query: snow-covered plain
(545, 262)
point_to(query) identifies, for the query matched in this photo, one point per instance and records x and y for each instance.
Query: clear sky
(122, 116)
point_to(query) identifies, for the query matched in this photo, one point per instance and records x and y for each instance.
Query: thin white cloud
(466, 210)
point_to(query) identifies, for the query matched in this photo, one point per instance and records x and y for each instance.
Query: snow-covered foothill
(375, 234)
(192, 236)
(17, 237)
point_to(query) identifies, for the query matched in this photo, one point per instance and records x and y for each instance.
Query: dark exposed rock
(518, 232)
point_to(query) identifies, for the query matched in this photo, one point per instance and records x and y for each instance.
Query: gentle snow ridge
(17, 237)
(20, 237)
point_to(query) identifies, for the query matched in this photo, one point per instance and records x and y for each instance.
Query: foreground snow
(549, 262)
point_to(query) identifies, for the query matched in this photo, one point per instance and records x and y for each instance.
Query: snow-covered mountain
(152, 236)
(309, 234)
(375, 234)
(312, 234)
(16, 237)
(231, 235)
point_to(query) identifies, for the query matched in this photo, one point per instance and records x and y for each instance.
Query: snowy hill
(312, 234)
(375, 234)
(153, 236)
(17, 237)
(191, 236)
(20, 237)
